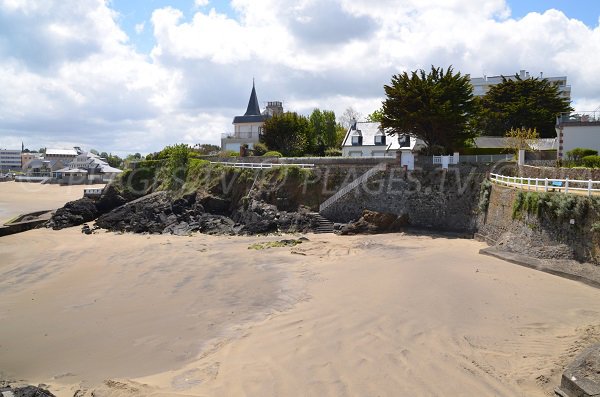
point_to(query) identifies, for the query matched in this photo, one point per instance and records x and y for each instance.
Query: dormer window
(380, 137)
(357, 138)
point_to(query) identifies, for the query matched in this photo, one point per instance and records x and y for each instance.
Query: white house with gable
(367, 139)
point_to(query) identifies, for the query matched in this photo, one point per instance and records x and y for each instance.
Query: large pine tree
(521, 103)
(436, 107)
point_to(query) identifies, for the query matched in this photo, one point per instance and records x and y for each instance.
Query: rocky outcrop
(372, 222)
(259, 217)
(159, 213)
(74, 213)
(77, 212)
(26, 391)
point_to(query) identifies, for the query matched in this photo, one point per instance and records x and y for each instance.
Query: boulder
(372, 222)
(74, 213)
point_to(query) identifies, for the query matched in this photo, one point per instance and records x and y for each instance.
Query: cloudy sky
(128, 76)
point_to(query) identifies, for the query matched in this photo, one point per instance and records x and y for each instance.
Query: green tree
(436, 107)
(206, 148)
(376, 116)
(521, 103)
(287, 133)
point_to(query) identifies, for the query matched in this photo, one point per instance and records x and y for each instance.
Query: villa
(481, 85)
(249, 127)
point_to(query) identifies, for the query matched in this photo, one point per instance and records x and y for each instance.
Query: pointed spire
(253, 108)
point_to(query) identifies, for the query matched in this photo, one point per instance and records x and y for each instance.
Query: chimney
(522, 73)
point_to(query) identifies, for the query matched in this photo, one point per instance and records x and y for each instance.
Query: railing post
(546, 185)
(567, 185)
(528, 183)
(536, 184)
(590, 187)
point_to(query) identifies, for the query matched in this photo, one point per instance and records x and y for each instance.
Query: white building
(366, 139)
(65, 156)
(580, 130)
(481, 85)
(10, 160)
(248, 128)
(87, 167)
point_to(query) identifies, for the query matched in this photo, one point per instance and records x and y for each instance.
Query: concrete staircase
(325, 225)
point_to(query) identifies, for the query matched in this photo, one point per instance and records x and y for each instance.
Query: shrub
(333, 152)
(591, 161)
(260, 149)
(272, 153)
(484, 195)
(578, 154)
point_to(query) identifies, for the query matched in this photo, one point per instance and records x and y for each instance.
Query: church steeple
(253, 108)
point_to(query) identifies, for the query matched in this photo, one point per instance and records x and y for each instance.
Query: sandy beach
(17, 198)
(386, 315)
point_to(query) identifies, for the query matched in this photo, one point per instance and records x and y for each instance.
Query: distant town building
(86, 167)
(248, 128)
(10, 160)
(481, 85)
(28, 157)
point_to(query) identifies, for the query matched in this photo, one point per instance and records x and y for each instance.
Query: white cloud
(139, 27)
(69, 74)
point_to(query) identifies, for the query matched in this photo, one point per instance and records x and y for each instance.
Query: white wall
(581, 136)
(366, 151)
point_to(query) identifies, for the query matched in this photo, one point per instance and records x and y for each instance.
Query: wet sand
(388, 315)
(19, 197)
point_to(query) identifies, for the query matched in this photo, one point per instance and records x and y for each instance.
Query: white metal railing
(239, 135)
(352, 185)
(548, 184)
(260, 165)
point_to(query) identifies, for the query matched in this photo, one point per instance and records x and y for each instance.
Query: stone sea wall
(430, 198)
(545, 225)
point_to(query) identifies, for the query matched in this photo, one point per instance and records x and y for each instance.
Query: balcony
(240, 135)
(579, 118)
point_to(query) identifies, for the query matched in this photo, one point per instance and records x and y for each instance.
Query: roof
(252, 114)
(74, 171)
(107, 169)
(369, 130)
(253, 108)
(61, 152)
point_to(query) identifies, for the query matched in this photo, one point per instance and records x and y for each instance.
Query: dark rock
(259, 218)
(86, 229)
(74, 213)
(215, 205)
(109, 200)
(372, 222)
(28, 391)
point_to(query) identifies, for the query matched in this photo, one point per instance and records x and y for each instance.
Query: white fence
(260, 165)
(538, 184)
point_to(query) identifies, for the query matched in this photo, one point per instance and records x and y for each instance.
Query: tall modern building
(10, 160)
(248, 128)
(481, 85)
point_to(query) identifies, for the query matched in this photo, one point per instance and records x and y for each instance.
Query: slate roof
(252, 114)
(369, 130)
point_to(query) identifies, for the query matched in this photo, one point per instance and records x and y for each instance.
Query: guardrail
(260, 165)
(546, 184)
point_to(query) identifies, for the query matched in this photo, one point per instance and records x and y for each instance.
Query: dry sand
(17, 197)
(387, 315)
